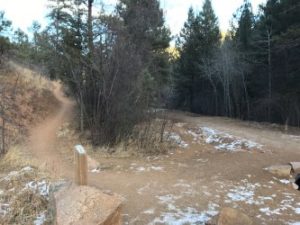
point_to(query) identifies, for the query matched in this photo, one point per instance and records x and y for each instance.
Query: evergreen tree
(21, 44)
(209, 30)
(4, 41)
(144, 23)
(198, 42)
(244, 31)
(186, 68)
(4, 23)
(210, 41)
(277, 37)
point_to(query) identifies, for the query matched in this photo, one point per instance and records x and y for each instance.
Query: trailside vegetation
(117, 64)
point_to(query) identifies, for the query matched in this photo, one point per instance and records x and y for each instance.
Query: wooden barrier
(81, 167)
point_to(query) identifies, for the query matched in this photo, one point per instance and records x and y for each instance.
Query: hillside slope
(25, 98)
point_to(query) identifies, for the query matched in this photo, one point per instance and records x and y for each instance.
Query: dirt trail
(272, 138)
(42, 141)
(188, 185)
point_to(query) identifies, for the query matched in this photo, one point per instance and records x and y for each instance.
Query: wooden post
(81, 167)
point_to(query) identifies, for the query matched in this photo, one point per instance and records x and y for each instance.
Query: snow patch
(141, 169)
(96, 170)
(175, 138)
(146, 168)
(149, 211)
(244, 193)
(223, 141)
(297, 210)
(188, 215)
(284, 181)
(270, 212)
(40, 187)
(40, 219)
(157, 168)
(182, 185)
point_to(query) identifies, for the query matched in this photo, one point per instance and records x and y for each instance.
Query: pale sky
(23, 12)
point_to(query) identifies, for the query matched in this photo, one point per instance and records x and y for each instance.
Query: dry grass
(21, 201)
(15, 159)
(24, 196)
(30, 77)
(25, 98)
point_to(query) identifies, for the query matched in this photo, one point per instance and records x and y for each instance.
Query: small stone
(280, 170)
(229, 216)
(295, 167)
(295, 186)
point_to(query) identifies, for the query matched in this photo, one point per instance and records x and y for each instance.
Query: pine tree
(277, 37)
(209, 30)
(186, 68)
(244, 32)
(209, 43)
(145, 26)
(4, 23)
(4, 41)
(197, 45)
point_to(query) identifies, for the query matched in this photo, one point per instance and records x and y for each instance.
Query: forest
(121, 64)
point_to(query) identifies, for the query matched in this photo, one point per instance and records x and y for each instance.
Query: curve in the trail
(42, 140)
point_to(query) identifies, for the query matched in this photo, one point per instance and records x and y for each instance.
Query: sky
(23, 12)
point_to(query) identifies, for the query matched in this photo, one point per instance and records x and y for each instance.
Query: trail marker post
(81, 167)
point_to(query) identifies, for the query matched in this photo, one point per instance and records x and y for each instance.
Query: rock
(229, 216)
(77, 205)
(295, 186)
(295, 167)
(283, 171)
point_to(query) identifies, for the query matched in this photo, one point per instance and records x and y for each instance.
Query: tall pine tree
(186, 65)
(197, 44)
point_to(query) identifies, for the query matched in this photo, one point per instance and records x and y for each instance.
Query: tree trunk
(269, 74)
(3, 137)
(286, 125)
(81, 114)
(191, 100)
(90, 28)
(246, 97)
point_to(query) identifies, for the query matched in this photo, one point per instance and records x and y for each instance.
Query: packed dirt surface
(217, 163)
(42, 141)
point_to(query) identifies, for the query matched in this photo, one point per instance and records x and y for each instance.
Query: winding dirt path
(43, 138)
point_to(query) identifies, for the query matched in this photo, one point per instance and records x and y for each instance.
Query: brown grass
(15, 159)
(23, 204)
(26, 98)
